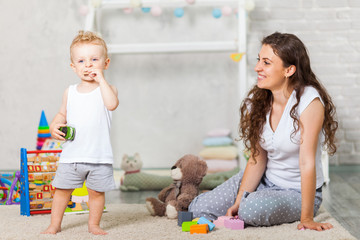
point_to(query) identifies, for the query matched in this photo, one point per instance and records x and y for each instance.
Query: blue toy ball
(179, 12)
(145, 10)
(216, 13)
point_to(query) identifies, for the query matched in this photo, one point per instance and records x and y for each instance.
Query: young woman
(286, 119)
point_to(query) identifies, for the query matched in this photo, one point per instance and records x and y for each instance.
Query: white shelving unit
(233, 45)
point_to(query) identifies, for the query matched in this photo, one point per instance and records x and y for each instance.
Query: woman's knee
(257, 210)
(252, 214)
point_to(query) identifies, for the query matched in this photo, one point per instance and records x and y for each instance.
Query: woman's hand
(233, 210)
(314, 225)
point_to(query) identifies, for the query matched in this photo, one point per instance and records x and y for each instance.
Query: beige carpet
(132, 221)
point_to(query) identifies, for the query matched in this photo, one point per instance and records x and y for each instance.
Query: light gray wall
(167, 101)
(331, 31)
(35, 38)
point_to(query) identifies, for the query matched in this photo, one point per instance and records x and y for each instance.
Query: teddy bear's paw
(150, 208)
(171, 211)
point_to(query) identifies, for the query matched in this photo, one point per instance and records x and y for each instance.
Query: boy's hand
(97, 75)
(56, 133)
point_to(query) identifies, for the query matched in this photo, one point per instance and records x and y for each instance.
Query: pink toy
(234, 224)
(156, 11)
(219, 222)
(128, 10)
(190, 1)
(83, 10)
(226, 11)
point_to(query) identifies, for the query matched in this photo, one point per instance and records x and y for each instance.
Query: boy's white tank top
(87, 113)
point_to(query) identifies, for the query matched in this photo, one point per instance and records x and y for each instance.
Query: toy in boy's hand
(187, 174)
(69, 132)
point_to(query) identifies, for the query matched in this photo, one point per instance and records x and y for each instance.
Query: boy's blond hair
(88, 37)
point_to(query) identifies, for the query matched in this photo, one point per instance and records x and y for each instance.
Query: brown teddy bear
(187, 174)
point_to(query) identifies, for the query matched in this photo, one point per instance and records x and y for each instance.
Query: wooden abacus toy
(36, 175)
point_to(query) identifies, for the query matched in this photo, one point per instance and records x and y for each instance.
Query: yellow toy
(79, 196)
(237, 56)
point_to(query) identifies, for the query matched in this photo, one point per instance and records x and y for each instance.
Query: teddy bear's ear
(202, 168)
(125, 157)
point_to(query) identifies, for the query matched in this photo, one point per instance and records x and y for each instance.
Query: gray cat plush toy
(135, 180)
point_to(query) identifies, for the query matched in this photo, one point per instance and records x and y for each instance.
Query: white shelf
(167, 3)
(226, 46)
(233, 45)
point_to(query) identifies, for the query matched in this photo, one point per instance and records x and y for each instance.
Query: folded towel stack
(219, 151)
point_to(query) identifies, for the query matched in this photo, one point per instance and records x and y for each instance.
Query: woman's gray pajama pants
(268, 205)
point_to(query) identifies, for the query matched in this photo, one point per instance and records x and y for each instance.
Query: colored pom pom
(96, 3)
(216, 13)
(83, 10)
(145, 9)
(156, 11)
(128, 10)
(249, 5)
(135, 3)
(179, 12)
(226, 11)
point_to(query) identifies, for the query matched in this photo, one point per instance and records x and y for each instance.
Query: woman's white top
(87, 113)
(283, 151)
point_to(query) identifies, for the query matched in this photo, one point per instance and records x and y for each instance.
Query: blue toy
(145, 9)
(179, 12)
(203, 220)
(216, 13)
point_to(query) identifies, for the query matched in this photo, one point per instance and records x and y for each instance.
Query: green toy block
(186, 226)
(69, 132)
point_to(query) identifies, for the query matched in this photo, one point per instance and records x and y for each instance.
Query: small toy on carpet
(219, 222)
(80, 196)
(234, 223)
(187, 174)
(198, 225)
(199, 228)
(184, 217)
(203, 220)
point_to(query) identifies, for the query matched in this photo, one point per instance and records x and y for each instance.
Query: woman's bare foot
(52, 230)
(96, 230)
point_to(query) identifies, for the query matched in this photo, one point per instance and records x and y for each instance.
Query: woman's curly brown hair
(254, 108)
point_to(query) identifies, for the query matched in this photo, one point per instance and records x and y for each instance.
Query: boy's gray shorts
(99, 177)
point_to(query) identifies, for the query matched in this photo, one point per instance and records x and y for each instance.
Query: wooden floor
(341, 197)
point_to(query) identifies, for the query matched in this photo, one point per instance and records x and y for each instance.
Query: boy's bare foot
(51, 230)
(96, 230)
